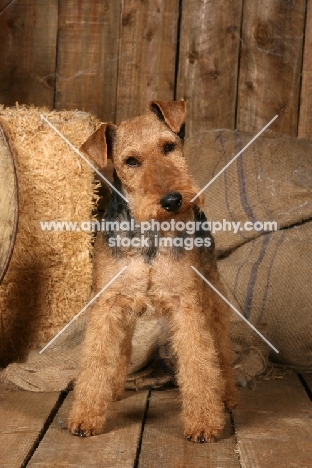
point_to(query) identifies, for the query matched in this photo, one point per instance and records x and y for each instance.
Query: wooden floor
(272, 428)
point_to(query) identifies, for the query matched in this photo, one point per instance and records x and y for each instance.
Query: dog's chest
(164, 283)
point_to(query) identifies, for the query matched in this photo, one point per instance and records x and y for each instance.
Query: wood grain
(116, 448)
(165, 446)
(8, 204)
(274, 425)
(28, 34)
(270, 65)
(23, 415)
(208, 65)
(147, 54)
(305, 111)
(87, 59)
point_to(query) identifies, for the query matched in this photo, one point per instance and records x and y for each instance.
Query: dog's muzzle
(171, 202)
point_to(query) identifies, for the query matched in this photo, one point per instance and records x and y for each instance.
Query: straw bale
(49, 277)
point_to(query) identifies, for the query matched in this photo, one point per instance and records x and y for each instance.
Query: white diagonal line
(82, 156)
(235, 310)
(82, 310)
(235, 157)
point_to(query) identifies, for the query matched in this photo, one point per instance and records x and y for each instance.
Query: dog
(153, 176)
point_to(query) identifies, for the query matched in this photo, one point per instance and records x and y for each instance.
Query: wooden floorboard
(164, 446)
(273, 428)
(274, 425)
(116, 448)
(22, 416)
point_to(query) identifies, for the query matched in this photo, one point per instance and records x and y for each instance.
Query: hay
(49, 277)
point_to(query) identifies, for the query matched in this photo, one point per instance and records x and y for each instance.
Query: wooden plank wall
(209, 60)
(236, 65)
(147, 51)
(28, 37)
(305, 113)
(271, 64)
(87, 58)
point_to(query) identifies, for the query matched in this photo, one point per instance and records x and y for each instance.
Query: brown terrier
(153, 175)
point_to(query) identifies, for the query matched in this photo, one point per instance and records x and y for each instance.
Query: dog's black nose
(172, 201)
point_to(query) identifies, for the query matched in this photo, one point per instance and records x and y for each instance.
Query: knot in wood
(263, 36)
(193, 56)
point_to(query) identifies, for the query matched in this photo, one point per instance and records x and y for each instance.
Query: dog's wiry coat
(152, 173)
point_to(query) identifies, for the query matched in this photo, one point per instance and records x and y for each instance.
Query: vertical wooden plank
(23, 415)
(164, 445)
(305, 117)
(208, 65)
(270, 65)
(115, 448)
(28, 33)
(87, 57)
(274, 425)
(147, 54)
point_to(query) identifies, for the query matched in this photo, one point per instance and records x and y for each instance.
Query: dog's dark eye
(132, 162)
(168, 147)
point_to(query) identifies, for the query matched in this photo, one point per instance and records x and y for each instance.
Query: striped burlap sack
(267, 275)
(270, 279)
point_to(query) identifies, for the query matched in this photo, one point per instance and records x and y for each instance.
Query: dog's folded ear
(172, 112)
(99, 146)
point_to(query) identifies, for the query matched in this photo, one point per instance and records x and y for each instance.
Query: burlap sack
(270, 279)
(267, 275)
(152, 362)
(270, 181)
(57, 367)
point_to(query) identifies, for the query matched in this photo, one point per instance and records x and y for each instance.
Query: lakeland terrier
(158, 234)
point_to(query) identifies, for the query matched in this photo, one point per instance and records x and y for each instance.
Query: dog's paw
(202, 436)
(85, 426)
(203, 430)
(202, 433)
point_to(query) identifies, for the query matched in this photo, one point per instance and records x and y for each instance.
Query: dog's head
(147, 153)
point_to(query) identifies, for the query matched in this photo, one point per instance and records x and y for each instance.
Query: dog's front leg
(106, 355)
(199, 375)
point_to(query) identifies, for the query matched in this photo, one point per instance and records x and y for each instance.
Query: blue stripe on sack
(241, 180)
(253, 276)
(280, 240)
